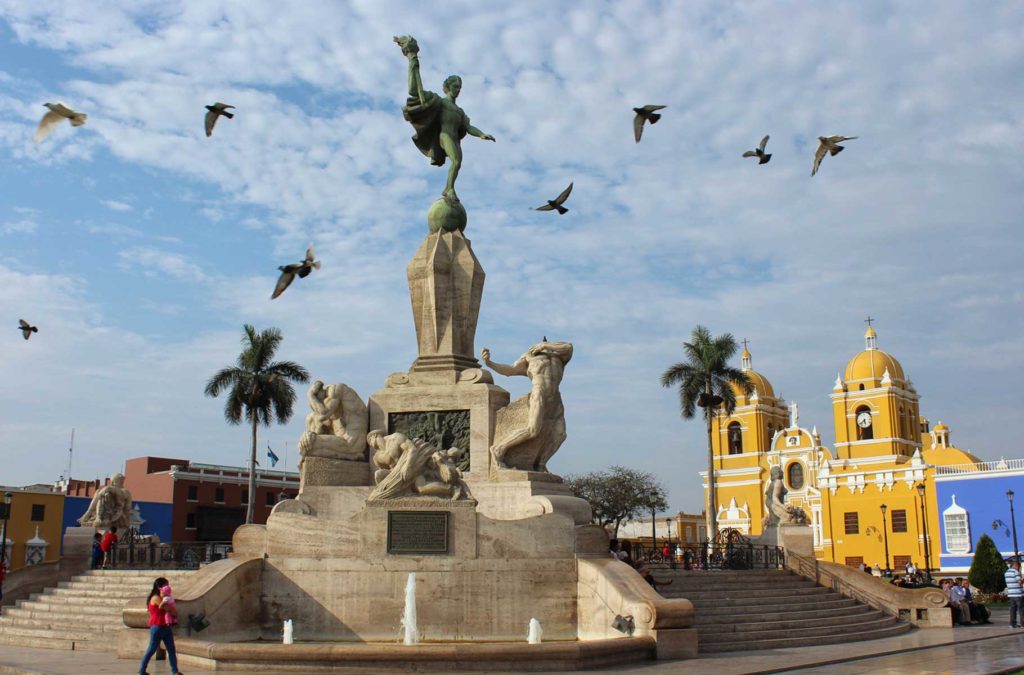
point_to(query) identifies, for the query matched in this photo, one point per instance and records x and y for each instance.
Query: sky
(140, 247)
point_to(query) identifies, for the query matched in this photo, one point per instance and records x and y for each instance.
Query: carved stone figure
(777, 512)
(110, 506)
(336, 427)
(408, 467)
(530, 430)
(440, 126)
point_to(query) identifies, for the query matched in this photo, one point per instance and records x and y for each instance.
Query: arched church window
(795, 476)
(865, 430)
(735, 439)
(861, 387)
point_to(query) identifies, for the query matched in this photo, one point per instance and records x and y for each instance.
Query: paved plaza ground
(975, 649)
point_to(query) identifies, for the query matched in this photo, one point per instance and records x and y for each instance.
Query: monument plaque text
(417, 532)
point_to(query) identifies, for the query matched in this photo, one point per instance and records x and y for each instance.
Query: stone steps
(768, 609)
(83, 613)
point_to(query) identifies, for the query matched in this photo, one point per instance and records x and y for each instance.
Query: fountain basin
(433, 657)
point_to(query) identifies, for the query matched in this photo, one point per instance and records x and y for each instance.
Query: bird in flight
(645, 114)
(26, 329)
(288, 272)
(556, 203)
(829, 145)
(215, 111)
(58, 113)
(762, 157)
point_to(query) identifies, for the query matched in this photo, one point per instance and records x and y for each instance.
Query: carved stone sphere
(446, 216)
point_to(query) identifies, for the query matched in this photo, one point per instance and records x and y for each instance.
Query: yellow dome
(941, 427)
(759, 382)
(871, 364)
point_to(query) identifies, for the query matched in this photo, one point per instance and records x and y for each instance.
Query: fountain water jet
(409, 613)
(535, 633)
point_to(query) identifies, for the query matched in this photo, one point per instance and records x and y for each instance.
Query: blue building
(972, 501)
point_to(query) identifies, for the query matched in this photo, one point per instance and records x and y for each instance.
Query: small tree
(618, 494)
(987, 568)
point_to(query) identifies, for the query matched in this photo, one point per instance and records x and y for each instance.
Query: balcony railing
(979, 467)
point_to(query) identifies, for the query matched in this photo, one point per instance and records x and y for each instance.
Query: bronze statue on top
(440, 126)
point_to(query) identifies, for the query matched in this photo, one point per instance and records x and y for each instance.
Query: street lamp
(924, 523)
(3, 537)
(1013, 524)
(671, 552)
(885, 533)
(654, 522)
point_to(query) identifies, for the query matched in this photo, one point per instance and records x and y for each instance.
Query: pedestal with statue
(434, 495)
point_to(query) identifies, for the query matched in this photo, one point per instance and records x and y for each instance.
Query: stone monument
(439, 476)
(111, 506)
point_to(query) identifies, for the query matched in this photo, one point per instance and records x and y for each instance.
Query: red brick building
(208, 500)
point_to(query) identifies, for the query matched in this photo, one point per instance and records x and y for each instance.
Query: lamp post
(885, 534)
(3, 537)
(671, 551)
(1013, 524)
(924, 524)
(654, 525)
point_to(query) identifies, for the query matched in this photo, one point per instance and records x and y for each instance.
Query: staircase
(81, 614)
(768, 609)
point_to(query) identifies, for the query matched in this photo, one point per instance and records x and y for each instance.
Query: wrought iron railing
(167, 555)
(730, 551)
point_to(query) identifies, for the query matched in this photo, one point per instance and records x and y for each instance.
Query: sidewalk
(975, 649)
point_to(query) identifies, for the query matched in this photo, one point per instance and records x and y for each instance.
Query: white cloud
(153, 261)
(115, 205)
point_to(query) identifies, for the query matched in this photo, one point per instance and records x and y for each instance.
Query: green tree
(258, 389)
(987, 568)
(705, 381)
(618, 494)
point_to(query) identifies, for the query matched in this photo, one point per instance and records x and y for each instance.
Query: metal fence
(167, 555)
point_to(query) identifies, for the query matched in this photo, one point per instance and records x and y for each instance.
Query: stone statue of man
(527, 441)
(110, 506)
(440, 124)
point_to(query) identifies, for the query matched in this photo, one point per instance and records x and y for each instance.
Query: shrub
(987, 568)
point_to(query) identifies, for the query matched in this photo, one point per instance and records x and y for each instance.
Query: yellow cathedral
(875, 487)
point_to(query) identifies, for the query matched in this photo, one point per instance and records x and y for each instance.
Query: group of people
(961, 601)
(103, 548)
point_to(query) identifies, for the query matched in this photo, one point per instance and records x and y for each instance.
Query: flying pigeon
(288, 272)
(645, 114)
(556, 203)
(26, 329)
(762, 157)
(58, 113)
(829, 145)
(215, 111)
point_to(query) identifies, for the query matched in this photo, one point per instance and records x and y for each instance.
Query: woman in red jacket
(159, 631)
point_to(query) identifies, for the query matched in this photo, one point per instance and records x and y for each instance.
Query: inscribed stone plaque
(442, 428)
(417, 532)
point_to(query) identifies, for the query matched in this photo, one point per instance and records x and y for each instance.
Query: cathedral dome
(758, 381)
(872, 363)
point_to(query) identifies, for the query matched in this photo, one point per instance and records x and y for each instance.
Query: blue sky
(140, 247)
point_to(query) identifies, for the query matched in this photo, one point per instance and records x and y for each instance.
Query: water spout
(409, 614)
(289, 635)
(535, 634)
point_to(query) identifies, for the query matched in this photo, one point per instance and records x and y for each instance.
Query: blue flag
(273, 458)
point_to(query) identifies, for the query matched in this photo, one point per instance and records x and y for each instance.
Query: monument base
(318, 471)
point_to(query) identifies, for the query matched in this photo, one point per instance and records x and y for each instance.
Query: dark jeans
(158, 634)
(1016, 610)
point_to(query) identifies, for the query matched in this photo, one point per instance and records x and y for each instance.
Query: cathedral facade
(874, 489)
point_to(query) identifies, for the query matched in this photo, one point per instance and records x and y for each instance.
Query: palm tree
(705, 380)
(259, 390)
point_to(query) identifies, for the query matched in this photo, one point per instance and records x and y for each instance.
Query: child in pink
(168, 605)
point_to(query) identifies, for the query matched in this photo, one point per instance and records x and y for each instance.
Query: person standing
(97, 550)
(1015, 592)
(107, 546)
(159, 630)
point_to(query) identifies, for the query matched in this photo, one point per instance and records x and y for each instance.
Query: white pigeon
(58, 113)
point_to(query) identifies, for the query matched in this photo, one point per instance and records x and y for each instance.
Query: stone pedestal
(446, 282)
(323, 471)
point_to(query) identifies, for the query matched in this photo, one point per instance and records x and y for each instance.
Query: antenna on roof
(71, 453)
